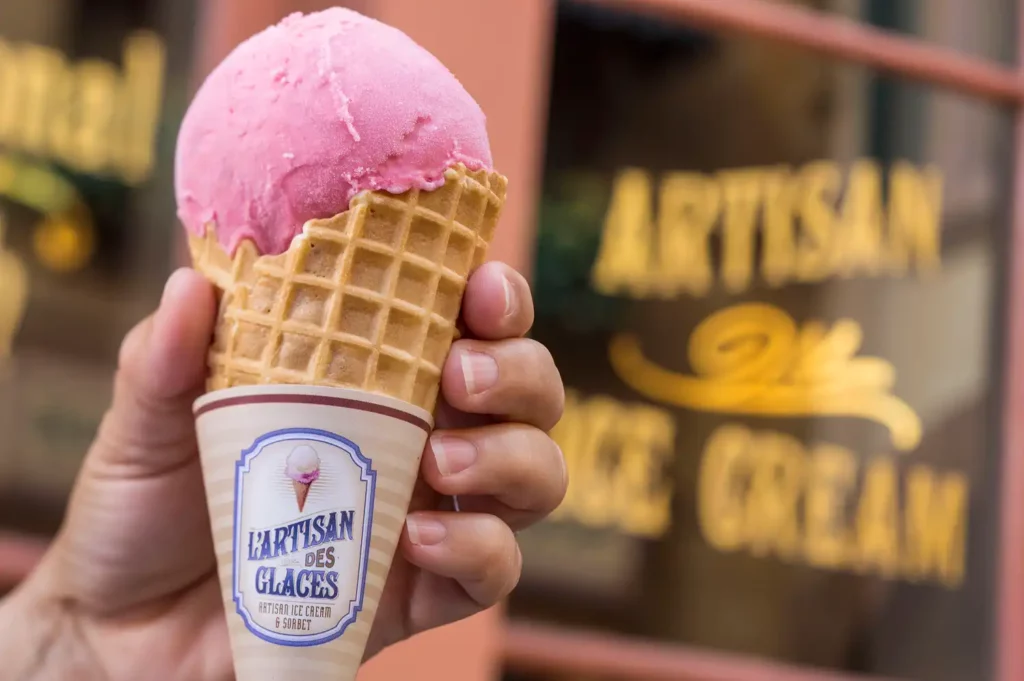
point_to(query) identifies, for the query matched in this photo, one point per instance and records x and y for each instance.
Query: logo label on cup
(303, 510)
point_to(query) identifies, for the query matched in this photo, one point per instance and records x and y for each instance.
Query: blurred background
(807, 198)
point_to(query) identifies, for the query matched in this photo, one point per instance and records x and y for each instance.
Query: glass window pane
(91, 93)
(774, 287)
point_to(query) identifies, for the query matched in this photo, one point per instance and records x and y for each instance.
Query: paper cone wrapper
(301, 585)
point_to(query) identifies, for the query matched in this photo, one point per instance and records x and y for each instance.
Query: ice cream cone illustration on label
(303, 469)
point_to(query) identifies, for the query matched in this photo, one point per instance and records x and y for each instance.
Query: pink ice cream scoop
(307, 478)
(305, 115)
(303, 465)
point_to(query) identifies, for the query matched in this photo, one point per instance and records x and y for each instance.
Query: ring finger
(478, 551)
(513, 471)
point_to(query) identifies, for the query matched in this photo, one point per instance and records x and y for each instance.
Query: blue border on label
(369, 477)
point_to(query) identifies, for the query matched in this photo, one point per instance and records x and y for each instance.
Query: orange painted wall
(467, 651)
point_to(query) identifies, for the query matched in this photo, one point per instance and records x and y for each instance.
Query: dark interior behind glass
(734, 115)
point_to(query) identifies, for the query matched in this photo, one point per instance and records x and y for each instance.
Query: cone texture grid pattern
(368, 299)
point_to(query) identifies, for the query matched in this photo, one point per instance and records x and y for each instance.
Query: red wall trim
(541, 648)
(842, 38)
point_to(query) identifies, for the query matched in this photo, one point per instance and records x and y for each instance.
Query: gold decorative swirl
(752, 359)
(13, 295)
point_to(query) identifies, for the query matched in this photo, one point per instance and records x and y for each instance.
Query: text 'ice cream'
(305, 115)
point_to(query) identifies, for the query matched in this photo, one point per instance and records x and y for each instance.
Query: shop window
(773, 284)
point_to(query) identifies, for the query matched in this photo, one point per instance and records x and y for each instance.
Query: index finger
(497, 304)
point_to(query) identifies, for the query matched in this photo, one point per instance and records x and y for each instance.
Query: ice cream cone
(337, 345)
(331, 331)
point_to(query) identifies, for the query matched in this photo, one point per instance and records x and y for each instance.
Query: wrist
(40, 637)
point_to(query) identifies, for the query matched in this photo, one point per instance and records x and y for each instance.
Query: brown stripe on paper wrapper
(301, 587)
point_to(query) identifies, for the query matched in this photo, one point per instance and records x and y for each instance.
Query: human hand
(129, 590)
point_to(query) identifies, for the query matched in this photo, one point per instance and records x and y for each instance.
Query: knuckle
(526, 311)
(563, 483)
(545, 360)
(534, 363)
(546, 462)
(132, 345)
(513, 573)
(559, 400)
(521, 459)
(497, 551)
(493, 540)
(538, 383)
(506, 573)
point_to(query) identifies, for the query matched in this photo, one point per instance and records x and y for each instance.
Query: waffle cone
(367, 299)
(345, 333)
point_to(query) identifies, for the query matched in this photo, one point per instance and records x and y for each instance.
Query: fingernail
(479, 371)
(423, 532)
(510, 301)
(453, 455)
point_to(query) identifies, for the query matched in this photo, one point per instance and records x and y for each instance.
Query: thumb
(149, 428)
